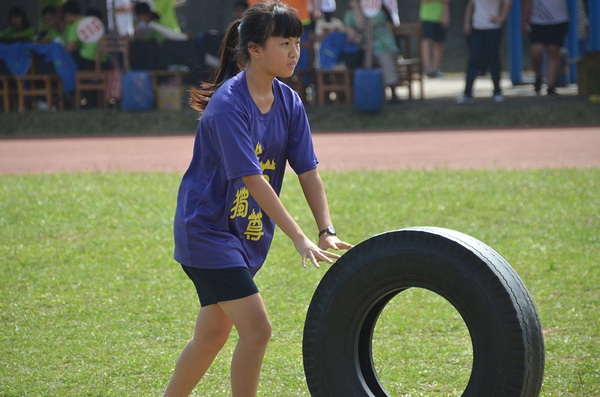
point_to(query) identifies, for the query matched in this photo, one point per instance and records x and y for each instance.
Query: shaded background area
(201, 16)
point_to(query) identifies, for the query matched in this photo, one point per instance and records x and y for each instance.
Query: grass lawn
(92, 303)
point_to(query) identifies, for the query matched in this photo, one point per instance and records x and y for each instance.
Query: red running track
(457, 149)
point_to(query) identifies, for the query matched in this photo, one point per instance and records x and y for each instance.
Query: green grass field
(92, 303)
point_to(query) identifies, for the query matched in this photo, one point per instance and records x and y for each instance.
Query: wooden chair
(8, 90)
(303, 78)
(32, 86)
(409, 66)
(336, 81)
(97, 80)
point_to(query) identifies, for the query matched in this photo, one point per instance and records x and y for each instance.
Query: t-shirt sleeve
(71, 33)
(230, 133)
(301, 153)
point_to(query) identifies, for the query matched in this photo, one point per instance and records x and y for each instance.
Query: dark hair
(50, 10)
(18, 12)
(93, 12)
(261, 21)
(142, 8)
(71, 7)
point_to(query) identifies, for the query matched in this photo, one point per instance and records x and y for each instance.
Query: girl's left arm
(314, 191)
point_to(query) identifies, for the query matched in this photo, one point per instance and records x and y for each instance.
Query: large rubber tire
(508, 344)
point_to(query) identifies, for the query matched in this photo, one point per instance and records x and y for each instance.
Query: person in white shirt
(549, 23)
(123, 16)
(483, 25)
(326, 7)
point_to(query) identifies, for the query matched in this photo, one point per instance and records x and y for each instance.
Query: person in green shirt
(435, 19)
(84, 54)
(42, 5)
(56, 26)
(385, 50)
(166, 14)
(19, 27)
(143, 17)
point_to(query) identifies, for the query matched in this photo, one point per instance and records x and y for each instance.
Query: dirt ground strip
(464, 149)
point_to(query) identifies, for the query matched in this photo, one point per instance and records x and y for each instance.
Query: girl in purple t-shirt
(228, 204)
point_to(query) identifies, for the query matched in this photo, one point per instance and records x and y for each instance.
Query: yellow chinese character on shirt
(269, 165)
(254, 230)
(264, 165)
(258, 150)
(240, 205)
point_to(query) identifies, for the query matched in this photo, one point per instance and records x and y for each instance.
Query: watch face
(329, 230)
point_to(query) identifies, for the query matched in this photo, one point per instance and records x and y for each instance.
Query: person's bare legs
(438, 50)
(212, 331)
(552, 65)
(426, 52)
(254, 328)
(536, 52)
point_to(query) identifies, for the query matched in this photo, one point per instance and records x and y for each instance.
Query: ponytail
(230, 64)
(262, 20)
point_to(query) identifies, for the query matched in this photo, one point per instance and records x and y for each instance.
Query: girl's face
(52, 20)
(280, 55)
(16, 21)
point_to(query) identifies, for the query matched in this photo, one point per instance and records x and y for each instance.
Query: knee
(264, 332)
(553, 52)
(537, 51)
(213, 339)
(260, 334)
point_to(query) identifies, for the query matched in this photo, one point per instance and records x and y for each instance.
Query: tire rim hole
(421, 346)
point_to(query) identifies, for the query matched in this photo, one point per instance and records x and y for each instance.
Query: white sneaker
(464, 100)
(436, 73)
(498, 98)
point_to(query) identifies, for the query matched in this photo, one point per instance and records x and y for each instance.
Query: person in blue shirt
(228, 204)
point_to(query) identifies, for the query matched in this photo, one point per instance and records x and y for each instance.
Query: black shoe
(537, 86)
(395, 100)
(552, 94)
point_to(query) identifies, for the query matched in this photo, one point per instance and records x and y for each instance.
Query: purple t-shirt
(217, 223)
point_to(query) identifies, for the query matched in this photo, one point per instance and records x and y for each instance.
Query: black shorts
(549, 34)
(219, 285)
(434, 31)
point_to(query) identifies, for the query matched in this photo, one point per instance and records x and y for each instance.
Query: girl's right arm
(267, 199)
(468, 15)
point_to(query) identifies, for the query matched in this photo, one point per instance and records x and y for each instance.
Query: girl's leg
(212, 331)
(552, 65)
(426, 45)
(476, 51)
(494, 36)
(387, 62)
(254, 328)
(438, 50)
(537, 59)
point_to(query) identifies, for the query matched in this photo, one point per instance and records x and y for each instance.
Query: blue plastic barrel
(137, 91)
(368, 90)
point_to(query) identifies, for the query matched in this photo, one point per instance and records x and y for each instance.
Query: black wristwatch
(329, 230)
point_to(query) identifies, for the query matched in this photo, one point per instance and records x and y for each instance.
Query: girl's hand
(309, 250)
(467, 29)
(496, 20)
(327, 241)
(446, 21)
